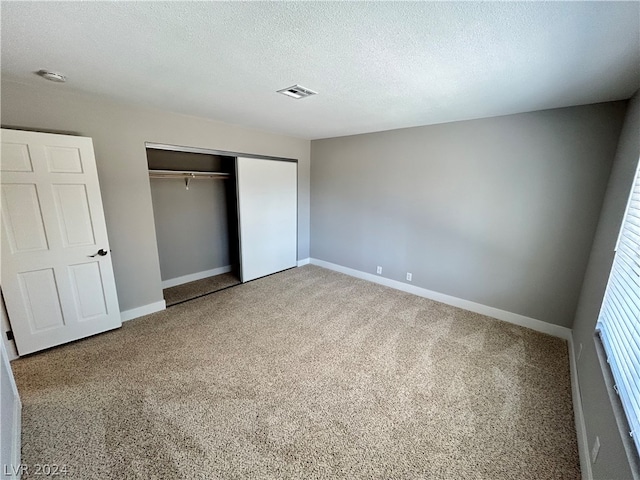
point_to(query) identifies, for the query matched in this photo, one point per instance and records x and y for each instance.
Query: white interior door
(57, 277)
(267, 210)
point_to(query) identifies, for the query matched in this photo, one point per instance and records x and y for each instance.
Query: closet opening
(196, 219)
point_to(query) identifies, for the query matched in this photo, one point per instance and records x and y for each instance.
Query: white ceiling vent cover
(297, 92)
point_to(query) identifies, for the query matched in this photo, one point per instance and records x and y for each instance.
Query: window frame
(630, 439)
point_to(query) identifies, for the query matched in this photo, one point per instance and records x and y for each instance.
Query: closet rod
(187, 175)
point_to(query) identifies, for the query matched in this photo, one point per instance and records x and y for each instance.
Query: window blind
(619, 320)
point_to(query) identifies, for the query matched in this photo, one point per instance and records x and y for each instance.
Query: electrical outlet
(409, 276)
(579, 352)
(379, 270)
(595, 450)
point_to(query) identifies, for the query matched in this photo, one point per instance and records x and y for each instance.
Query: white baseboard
(517, 319)
(304, 261)
(173, 282)
(581, 429)
(144, 310)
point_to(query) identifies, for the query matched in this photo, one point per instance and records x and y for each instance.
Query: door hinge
(9, 335)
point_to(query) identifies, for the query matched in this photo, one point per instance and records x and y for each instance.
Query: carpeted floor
(188, 291)
(306, 374)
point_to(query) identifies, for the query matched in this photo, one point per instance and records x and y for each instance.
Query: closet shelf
(187, 175)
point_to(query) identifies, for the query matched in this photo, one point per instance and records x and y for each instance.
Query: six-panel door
(56, 288)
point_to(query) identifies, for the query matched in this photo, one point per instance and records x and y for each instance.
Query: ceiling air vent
(297, 92)
(53, 76)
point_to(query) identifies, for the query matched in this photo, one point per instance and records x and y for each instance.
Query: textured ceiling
(377, 66)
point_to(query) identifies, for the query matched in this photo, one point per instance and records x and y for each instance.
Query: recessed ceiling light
(53, 76)
(297, 92)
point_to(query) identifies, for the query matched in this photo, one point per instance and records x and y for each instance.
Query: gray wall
(612, 462)
(191, 226)
(119, 134)
(498, 211)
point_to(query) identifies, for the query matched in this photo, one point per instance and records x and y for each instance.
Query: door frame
(14, 462)
(210, 151)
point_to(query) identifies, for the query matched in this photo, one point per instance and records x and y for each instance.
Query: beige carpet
(191, 290)
(306, 374)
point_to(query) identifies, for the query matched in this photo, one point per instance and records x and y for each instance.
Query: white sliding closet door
(267, 209)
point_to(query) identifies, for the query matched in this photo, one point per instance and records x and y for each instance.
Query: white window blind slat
(633, 219)
(631, 236)
(629, 286)
(633, 228)
(619, 319)
(618, 339)
(627, 264)
(631, 356)
(632, 259)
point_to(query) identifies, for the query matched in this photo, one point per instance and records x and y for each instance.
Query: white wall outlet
(595, 450)
(409, 276)
(379, 270)
(579, 352)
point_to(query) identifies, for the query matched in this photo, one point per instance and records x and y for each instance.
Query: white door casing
(56, 288)
(10, 418)
(267, 210)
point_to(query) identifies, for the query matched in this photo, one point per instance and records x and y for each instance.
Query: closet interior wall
(196, 227)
